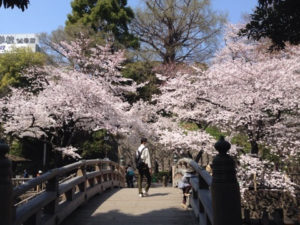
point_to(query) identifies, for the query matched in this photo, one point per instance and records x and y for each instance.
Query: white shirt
(145, 154)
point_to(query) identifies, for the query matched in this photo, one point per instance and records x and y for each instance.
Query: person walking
(129, 176)
(40, 186)
(143, 162)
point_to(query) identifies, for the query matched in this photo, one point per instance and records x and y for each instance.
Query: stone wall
(258, 201)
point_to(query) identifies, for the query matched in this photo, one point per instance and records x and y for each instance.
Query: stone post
(5, 186)
(82, 172)
(226, 200)
(164, 181)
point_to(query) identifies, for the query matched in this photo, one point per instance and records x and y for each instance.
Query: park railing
(19, 181)
(200, 201)
(215, 199)
(63, 191)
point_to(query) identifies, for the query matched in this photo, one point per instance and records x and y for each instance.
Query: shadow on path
(123, 207)
(158, 194)
(86, 210)
(171, 216)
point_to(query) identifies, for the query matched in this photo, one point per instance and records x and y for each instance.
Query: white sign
(10, 41)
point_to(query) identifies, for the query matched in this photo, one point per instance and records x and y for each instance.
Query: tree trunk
(254, 147)
(162, 165)
(170, 54)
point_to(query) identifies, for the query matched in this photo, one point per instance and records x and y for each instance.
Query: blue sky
(47, 15)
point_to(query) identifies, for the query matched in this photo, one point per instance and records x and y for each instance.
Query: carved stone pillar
(226, 200)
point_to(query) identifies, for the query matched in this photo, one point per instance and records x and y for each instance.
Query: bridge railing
(19, 181)
(200, 201)
(215, 199)
(62, 195)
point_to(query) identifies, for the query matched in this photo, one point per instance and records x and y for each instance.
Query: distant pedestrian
(129, 176)
(143, 163)
(25, 175)
(40, 186)
(39, 173)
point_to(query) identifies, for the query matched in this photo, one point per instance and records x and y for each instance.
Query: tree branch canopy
(178, 30)
(277, 20)
(23, 4)
(108, 16)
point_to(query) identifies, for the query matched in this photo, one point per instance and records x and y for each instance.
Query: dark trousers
(185, 190)
(129, 180)
(144, 172)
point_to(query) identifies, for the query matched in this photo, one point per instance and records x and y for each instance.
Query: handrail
(62, 196)
(201, 200)
(27, 199)
(21, 189)
(216, 199)
(21, 179)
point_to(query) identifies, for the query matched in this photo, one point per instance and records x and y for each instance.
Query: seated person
(186, 186)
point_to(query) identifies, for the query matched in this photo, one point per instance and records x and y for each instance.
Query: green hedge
(157, 177)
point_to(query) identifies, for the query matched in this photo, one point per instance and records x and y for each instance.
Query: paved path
(124, 207)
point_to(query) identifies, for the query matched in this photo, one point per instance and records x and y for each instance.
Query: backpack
(130, 173)
(138, 160)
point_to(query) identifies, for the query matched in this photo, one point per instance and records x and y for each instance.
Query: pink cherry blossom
(64, 100)
(246, 89)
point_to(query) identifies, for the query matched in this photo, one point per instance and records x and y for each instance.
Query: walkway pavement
(124, 207)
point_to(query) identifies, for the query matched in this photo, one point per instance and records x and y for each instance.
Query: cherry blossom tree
(167, 136)
(167, 132)
(61, 101)
(246, 89)
(260, 91)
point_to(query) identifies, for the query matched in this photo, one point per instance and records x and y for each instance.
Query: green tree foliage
(108, 16)
(13, 63)
(242, 141)
(12, 3)
(190, 126)
(142, 72)
(16, 148)
(95, 146)
(177, 30)
(278, 20)
(215, 132)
